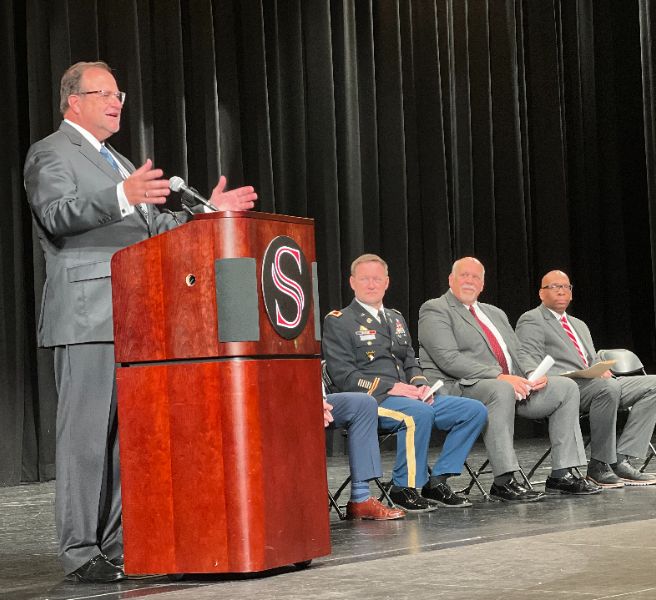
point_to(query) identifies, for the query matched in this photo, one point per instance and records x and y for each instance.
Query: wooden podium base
(223, 466)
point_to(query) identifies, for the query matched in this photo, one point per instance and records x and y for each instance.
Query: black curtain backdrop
(521, 132)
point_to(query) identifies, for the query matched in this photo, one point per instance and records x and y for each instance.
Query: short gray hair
(70, 81)
(367, 258)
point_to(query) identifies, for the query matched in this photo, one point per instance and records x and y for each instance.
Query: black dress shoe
(118, 561)
(513, 492)
(410, 500)
(569, 484)
(98, 570)
(444, 495)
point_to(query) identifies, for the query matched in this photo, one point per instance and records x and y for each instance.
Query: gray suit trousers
(558, 401)
(602, 398)
(88, 487)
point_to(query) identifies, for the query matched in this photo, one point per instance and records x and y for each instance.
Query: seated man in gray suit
(473, 348)
(87, 202)
(358, 414)
(548, 329)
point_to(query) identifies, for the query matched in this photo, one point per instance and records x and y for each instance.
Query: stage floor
(596, 547)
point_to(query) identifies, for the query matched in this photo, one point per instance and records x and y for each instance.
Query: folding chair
(626, 362)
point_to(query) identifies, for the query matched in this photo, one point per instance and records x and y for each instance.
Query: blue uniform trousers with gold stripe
(461, 417)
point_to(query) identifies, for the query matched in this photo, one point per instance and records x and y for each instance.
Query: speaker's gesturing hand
(242, 198)
(145, 185)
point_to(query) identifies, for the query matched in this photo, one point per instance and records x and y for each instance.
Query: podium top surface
(249, 214)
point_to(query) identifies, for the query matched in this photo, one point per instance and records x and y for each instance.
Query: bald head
(554, 276)
(556, 291)
(467, 260)
(467, 279)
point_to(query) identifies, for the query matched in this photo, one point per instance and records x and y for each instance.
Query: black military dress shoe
(513, 492)
(410, 500)
(98, 570)
(444, 495)
(569, 484)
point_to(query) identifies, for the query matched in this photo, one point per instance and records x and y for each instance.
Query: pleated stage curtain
(422, 130)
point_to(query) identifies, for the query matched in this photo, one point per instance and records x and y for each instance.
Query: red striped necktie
(494, 343)
(570, 334)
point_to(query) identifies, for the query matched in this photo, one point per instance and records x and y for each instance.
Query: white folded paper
(543, 367)
(436, 386)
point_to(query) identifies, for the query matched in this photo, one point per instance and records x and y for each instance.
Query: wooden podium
(221, 431)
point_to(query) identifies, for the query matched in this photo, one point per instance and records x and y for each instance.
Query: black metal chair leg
(333, 502)
(341, 488)
(527, 481)
(475, 481)
(650, 455)
(538, 464)
(384, 492)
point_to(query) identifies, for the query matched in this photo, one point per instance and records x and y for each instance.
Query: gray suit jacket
(454, 348)
(540, 334)
(72, 193)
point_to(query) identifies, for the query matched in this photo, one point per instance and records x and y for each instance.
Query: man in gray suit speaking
(87, 202)
(473, 348)
(548, 329)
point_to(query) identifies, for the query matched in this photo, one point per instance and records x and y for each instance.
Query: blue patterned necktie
(107, 155)
(110, 159)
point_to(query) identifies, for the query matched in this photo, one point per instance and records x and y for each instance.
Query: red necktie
(494, 343)
(570, 334)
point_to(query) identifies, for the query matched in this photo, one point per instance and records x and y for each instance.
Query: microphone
(189, 195)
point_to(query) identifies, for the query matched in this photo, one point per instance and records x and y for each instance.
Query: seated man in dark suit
(475, 350)
(358, 414)
(368, 348)
(548, 329)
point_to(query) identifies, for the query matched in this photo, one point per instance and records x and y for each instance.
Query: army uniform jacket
(363, 355)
